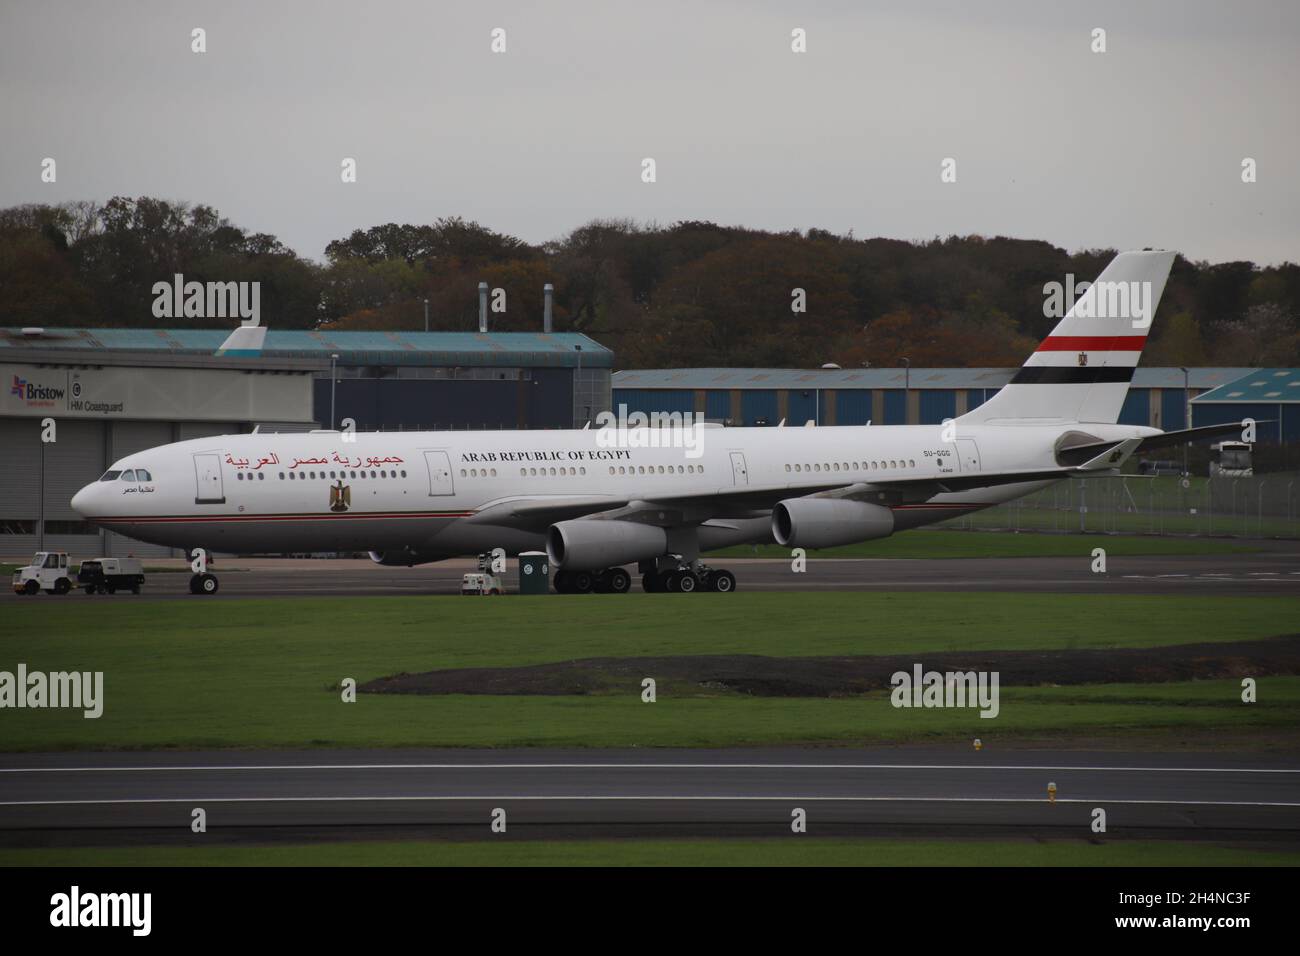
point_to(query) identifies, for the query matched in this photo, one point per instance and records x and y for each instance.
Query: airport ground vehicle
(48, 572)
(1231, 460)
(476, 583)
(110, 575)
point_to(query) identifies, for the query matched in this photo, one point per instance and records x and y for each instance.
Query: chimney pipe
(548, 294)
(482, 306)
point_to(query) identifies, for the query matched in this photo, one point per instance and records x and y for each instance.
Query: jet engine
(592, 545)
(827, 522)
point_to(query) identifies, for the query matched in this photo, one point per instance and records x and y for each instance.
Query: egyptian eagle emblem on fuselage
(340, 497)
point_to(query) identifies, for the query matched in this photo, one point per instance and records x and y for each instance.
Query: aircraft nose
(81, 500)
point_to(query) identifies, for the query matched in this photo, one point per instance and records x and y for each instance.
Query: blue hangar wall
(1158, 397)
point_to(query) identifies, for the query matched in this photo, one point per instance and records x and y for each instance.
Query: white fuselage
(412, 492)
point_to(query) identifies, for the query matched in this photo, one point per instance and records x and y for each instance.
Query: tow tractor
(48, 572)
(478, 583)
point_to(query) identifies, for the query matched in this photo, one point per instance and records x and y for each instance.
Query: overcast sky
(1138, 146)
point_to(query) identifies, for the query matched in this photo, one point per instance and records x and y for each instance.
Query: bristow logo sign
(33, 393)
(208, 300)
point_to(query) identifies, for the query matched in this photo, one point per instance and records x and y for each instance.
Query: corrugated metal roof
(940, 378)
(1261, 385)
(354, 348)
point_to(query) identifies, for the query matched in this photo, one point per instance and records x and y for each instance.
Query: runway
(1275, 571)
(110, 797)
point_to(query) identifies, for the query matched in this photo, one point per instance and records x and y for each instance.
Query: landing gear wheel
(600, 582)
(583, 582)
(561, 582)
(203, 584)
(650, 583)
(618, 581)
(724, 582)
(682, 582)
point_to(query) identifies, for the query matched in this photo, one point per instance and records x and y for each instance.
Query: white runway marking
(645, 766)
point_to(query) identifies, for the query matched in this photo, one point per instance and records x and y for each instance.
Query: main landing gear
(203, 583)
(679, 580)
(608, 581)
(687, 580)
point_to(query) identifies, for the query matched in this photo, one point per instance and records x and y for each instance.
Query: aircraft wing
(746, 501)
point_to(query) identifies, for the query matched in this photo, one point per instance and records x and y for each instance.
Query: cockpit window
(128, 476)
(142, 475)
(109, 476)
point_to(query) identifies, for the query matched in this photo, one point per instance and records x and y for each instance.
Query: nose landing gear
(203, 583)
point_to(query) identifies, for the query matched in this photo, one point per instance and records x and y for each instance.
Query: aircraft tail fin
(1081, 372)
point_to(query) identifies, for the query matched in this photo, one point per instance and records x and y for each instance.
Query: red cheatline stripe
(158, 519)
(1093, 343)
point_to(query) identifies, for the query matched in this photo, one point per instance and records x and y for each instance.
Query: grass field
(786, 851)
(264, 673)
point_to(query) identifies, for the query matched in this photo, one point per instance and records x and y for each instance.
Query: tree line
(685, 294)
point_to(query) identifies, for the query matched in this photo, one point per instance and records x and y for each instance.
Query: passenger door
(209, 489)
(739, 472)
(440, 480)
(969, 454)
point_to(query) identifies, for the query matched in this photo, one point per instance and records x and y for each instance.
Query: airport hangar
(1159, 397)
(112, 392)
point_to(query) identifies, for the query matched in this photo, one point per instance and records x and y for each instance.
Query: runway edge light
(1051, 792)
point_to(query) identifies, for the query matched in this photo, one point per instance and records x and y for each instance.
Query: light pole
(334, 357)
(426, 315)
(576, 377)
(1187, 414)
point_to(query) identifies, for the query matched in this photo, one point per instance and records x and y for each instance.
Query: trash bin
(534, 573)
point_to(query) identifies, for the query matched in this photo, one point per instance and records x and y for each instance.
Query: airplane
(598, 500)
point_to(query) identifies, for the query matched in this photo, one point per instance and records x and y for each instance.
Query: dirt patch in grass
(761, 676)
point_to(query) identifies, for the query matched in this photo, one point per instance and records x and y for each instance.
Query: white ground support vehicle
(48, 572)
(1231, 459)
(110, 575)
(477, 583)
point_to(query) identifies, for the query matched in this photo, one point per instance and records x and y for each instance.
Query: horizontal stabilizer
(1076, 455)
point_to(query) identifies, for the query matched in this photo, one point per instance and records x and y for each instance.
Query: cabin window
(261, 476)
